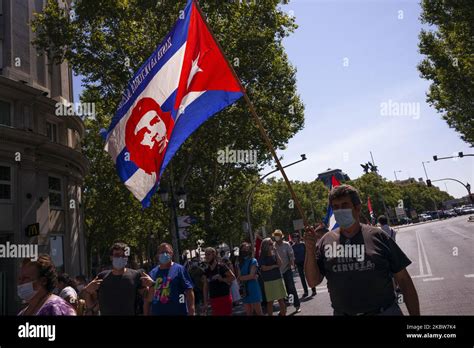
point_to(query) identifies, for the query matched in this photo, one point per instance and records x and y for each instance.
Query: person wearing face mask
(285, 252)
(36, 283)
(252, 295)
(299, 250)
(67, 288)
(358, 261)
(116, 291)
(274, 287)
(171, 289)
(217, 281)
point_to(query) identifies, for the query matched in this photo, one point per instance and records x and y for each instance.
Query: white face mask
(277, 238)
(26, 291)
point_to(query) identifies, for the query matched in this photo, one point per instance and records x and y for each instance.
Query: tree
(106, 41)
(449, 62)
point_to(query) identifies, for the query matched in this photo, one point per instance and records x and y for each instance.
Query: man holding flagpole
(358, 262)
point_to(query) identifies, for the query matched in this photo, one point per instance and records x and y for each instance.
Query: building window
(55, 192)
(52, 131)
(5, 183)
(56, 252)
(5, 114)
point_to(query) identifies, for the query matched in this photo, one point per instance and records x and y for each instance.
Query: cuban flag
(182, 84)
(330, 220)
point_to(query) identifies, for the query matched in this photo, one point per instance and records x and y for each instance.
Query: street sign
(298, 224)
(400, 203)
(400, 212)
(186, 221)
(183, 233)
(32, 230)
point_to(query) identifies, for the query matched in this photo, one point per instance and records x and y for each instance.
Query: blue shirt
(169, 296)
(254, 294)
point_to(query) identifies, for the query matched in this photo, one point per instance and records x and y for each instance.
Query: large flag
(371, 212)
(330, 220)
(182, 84)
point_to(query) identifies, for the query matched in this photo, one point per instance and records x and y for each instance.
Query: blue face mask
(164, 258)
(26, 291)
(344, 217)
(119, 262)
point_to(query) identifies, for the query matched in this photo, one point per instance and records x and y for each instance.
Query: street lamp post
(423, 162)
(467, 186)
(395, 173)
(252, 191)
(169, 199)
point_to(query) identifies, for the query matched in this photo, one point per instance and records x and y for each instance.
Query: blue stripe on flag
(125, 168)
(195, 114)
(147, 200)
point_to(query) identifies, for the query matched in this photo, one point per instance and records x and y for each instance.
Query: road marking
(469, 275)
(428, 268)
(460, 234)
(318, 289)
(420, 261)
(430, 279)
(422, 276)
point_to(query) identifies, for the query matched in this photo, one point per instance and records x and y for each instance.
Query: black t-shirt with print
(217, 288)
(118, 293)
(359, 270)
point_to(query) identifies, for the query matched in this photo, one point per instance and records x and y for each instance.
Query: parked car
(424, 217)
(405, 221)
(450, 213)
(468, 210)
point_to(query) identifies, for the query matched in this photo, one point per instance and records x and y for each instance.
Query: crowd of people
(362, 284)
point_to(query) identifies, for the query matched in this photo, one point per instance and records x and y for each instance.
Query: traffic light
(435, 158)
(428, 183)
(460, 154)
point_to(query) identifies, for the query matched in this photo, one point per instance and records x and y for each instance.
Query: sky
(344, 115)
(352, 58)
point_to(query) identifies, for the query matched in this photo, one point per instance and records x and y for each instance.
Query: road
(442, 255)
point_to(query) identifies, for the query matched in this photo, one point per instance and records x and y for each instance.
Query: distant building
(326, 176)
(42, 168)
(410, 181)
(457, 202)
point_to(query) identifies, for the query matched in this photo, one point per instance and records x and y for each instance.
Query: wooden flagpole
(257, 120)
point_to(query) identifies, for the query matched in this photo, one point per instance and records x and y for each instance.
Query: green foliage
(107, 40)
(449, 49)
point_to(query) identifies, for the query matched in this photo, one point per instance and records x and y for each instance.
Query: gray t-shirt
(389, 231)
(359, 270)
(118, 293)
(285, 251)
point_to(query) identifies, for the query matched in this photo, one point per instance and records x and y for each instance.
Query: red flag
(334, 182)
(371, 212)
